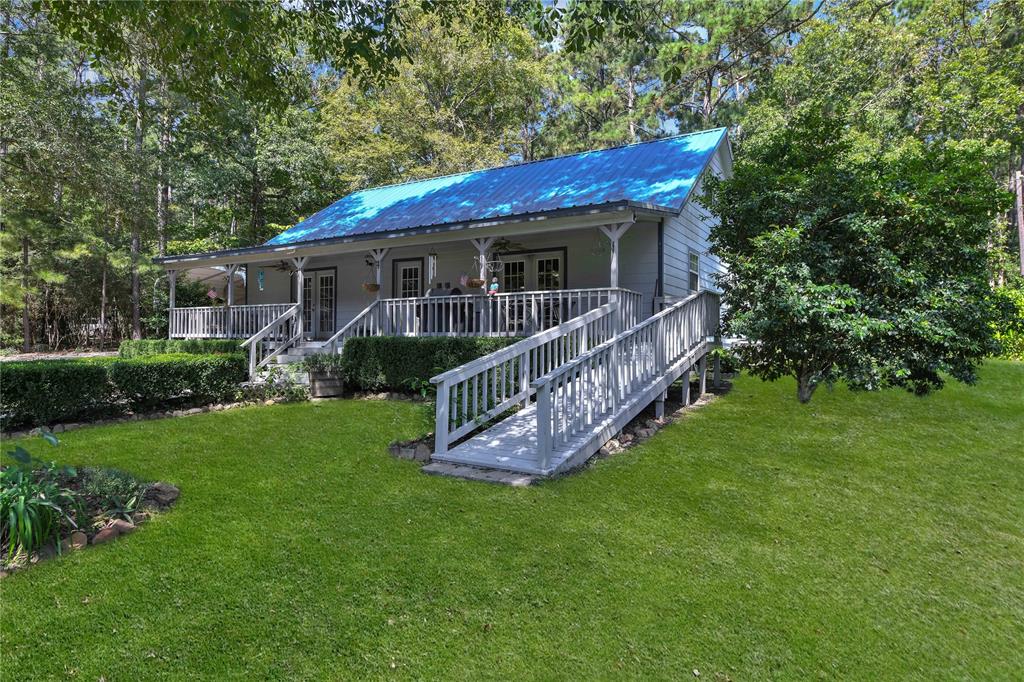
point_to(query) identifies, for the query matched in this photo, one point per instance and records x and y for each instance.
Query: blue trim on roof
(660, 172)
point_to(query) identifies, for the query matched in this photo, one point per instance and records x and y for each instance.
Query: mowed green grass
(863, 536)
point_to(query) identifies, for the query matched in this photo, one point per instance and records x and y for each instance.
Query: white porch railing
(470, 395)
(223, 322)
(516, 314)
(282, 331)
(586, 391)
(511, 314)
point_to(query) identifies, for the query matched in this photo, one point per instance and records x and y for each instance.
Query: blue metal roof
(659, 172)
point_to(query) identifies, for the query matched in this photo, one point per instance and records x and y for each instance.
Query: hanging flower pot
(371, 287)
(474, 282)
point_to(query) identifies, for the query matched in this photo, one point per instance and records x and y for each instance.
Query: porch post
(614, 234)
(300, 264)
(172, 283)
(481, 249)
(378, 256)
(232, 268)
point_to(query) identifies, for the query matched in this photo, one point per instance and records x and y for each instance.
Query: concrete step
(471, 473)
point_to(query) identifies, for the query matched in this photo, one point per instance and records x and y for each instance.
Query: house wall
(587, 265)
(689, 232)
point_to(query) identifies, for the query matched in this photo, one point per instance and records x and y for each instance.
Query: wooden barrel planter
(325, 385)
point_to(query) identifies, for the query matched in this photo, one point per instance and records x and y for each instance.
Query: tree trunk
(805, 386)
(631, 106)
(139, 218)
(256, 205)
(163, 188)
(26, 320)
(103, 285)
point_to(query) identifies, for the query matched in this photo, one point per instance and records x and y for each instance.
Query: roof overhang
(570, 218)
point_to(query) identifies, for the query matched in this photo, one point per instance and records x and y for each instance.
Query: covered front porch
(513, 281)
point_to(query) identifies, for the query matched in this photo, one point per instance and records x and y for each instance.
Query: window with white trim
(694, 271)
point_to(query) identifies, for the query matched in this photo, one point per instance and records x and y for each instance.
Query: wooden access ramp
(590, 392)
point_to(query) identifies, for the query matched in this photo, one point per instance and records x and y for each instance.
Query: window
(694, 272)
(514, 275)
(409, 278)
(548, 273)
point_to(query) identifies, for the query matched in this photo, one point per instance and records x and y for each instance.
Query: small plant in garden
(117, 492)
(33, 504)
(422, 386)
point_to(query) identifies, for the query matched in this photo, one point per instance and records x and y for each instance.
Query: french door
(319, 302)
(539, 271)
(532, 272)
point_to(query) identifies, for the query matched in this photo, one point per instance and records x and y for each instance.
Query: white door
(319, 302)
(408, 278)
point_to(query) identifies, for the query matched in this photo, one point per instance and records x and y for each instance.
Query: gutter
(283, 250)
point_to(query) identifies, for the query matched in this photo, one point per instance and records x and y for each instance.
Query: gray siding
(688, 232)
(587, 265)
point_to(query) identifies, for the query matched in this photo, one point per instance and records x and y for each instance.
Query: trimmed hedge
(401, 363)
(169, 380)
(51, 391)
(43, 392)
(145, 347)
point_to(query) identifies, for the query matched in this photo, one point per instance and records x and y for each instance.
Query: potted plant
(475, 283)
(371, 287)
(325, 377)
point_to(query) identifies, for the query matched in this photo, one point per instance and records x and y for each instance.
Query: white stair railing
(470, 395)
(284, 331)
(584, 392)
(366, 323)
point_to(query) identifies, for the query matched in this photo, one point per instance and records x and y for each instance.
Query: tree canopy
(858, 222)
(874, 144)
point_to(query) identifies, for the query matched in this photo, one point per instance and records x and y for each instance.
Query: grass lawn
(861, 536)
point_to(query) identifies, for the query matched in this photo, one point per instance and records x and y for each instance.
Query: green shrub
(145, 347)
(322, 363)
(1011, 336)
(175, 380)
(400, 363)
(50, 391)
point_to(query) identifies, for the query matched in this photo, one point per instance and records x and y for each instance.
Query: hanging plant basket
(371, 287)
(474, 282)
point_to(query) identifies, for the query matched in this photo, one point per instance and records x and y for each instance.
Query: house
(567, 252)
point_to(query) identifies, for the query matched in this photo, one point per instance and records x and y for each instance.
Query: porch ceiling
(520, 225)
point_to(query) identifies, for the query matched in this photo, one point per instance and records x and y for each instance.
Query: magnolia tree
(856, 223)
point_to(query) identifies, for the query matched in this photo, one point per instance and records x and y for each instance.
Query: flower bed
(46, 509)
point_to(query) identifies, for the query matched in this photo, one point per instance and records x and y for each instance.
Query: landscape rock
(78, 540)
(626, 438)
(47, 551)
(123, 527)
(422, 452)
(105, 535)
(644, 433)
(162, 493)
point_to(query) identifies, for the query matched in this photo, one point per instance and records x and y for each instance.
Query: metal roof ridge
(527, 163)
